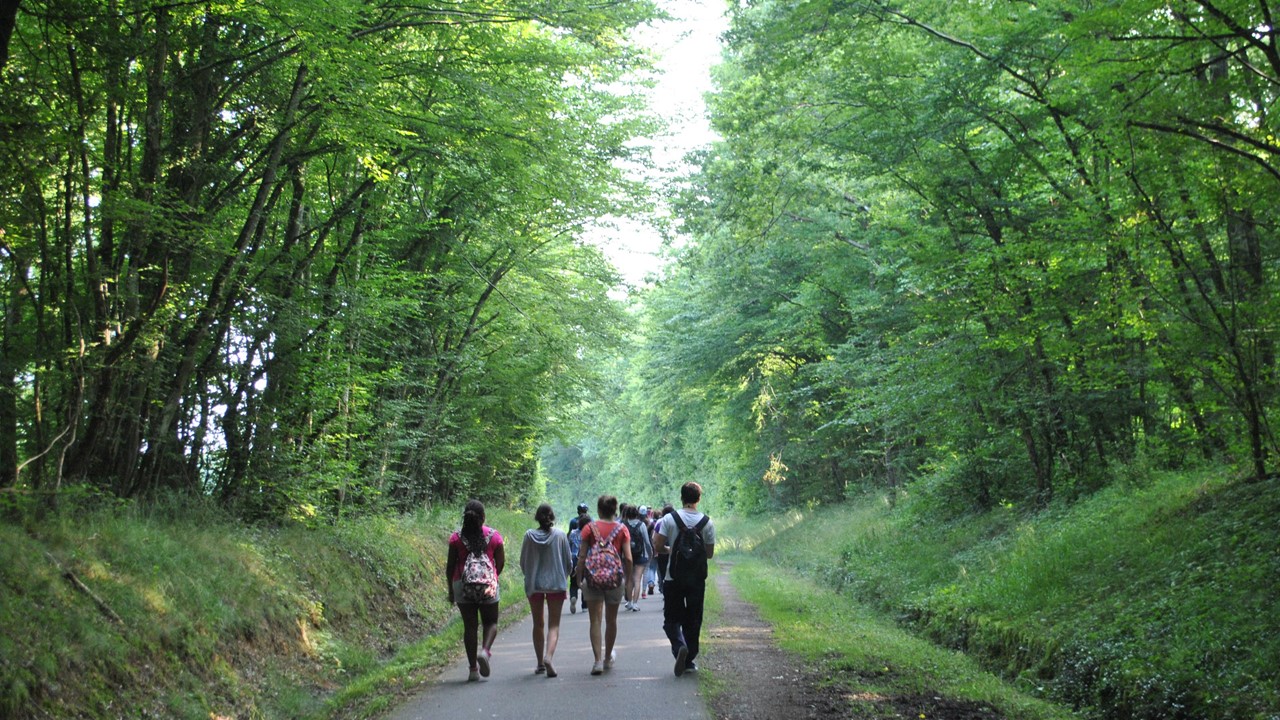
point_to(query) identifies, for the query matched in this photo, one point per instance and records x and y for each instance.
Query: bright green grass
(221, 619)
(1154, 602)
(865, 653)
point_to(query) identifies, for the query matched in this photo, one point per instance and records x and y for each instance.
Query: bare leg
(595, 608)
(539, 631)
(470, 626)
(489, 616)
(637, 578)
(610, 630)
(553, 627)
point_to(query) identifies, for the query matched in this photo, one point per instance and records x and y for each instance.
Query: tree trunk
(9, 371)
(1254, 355)
(8, 22)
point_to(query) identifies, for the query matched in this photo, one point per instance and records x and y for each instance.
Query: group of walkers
(611, 562)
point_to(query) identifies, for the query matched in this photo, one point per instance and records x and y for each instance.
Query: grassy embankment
(185, 614)
(1153, 602)
(875, 667)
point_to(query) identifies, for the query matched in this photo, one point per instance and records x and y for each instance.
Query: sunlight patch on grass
(156, 600)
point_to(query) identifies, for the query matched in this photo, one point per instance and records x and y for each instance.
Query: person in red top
(475, 537)
(604, 601)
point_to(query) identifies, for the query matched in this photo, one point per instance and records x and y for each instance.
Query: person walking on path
(546, 563)
(660, 555)
(476, 558)
(650, 579)
(691, 537)
(602, 591)
(641, 551)
(575, 543)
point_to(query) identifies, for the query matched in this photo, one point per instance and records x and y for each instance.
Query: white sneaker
(596, 669)
(613, 657)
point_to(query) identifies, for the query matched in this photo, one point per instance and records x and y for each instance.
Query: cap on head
(644, 509)
(582, 507)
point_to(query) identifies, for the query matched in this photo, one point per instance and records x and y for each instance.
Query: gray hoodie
(545, 561)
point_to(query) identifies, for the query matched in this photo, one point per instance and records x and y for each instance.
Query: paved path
(642, 678)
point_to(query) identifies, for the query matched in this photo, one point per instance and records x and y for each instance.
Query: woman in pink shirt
(476, 559)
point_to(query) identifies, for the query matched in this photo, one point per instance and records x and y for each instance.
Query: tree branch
(1214, 142)
(79, 585)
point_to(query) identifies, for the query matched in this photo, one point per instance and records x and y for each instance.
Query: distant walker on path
(691, 538)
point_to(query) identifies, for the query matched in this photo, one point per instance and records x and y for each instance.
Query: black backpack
(689, 553)
(637, 540)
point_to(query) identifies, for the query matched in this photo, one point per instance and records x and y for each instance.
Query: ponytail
(473, 526)
(545, 516)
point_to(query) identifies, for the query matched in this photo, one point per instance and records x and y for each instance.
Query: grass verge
(1153, 602)
(871, 659)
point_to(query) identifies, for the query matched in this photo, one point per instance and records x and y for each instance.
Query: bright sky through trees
(687, 46)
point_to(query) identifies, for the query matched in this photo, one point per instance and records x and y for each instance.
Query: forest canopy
(315, 257)
(303, 256)
(1023, 249)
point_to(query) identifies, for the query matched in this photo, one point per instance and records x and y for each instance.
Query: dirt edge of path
(754, 679)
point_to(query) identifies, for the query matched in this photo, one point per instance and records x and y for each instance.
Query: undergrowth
(1155, 602)
(180, 612)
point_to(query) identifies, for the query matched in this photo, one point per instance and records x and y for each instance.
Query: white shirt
(668, 529)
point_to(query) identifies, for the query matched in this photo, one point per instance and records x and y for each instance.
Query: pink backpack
(604, 565)
(479, 576)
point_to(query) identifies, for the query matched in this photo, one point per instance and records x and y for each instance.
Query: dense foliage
(1016, 245)
(304, 256)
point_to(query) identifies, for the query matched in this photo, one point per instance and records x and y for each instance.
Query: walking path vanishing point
(642, 679)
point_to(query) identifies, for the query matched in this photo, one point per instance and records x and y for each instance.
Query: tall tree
(308, 255)
(1019, 244)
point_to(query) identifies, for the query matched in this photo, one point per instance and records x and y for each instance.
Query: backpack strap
(685, 528)
(679, 521)
(616, 529)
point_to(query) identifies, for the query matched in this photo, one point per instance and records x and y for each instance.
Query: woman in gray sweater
(545, 562)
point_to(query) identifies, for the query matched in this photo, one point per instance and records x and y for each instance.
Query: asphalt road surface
(642, 682)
